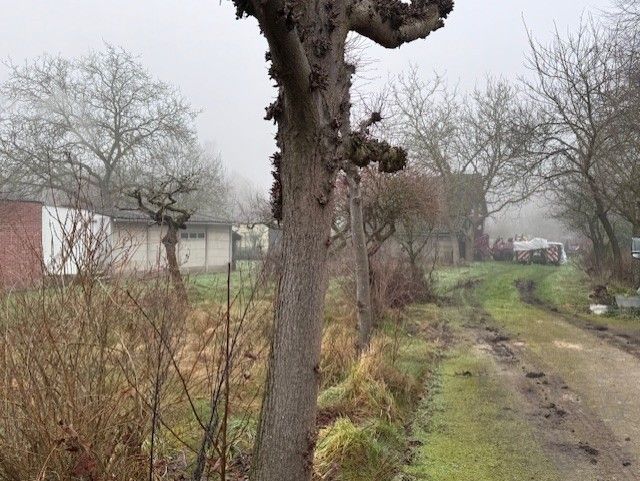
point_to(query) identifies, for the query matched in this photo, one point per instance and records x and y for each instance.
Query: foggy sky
(218, 62)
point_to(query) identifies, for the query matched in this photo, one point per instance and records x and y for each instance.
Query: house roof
(8, 198)
(137, 216)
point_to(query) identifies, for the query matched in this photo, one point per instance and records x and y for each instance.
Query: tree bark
(170, 241)
(455, 249)
(598, 246)
(636, 233)
(286, 434)
(613, 240)
(359, 243)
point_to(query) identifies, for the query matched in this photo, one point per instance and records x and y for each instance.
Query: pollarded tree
(307, 51)
(182, 180)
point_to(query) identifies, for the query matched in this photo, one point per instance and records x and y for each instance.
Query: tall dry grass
(106, 377)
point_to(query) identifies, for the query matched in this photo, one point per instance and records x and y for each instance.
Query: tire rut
(578, 441)
(627, 342)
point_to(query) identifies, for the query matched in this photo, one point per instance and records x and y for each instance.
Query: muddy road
(565, 389)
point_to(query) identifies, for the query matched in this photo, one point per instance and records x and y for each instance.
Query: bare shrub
(602, 269)
(115, 378)
(395, 284)
(77, 370)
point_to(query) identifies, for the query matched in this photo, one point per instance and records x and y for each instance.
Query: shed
(205, 245)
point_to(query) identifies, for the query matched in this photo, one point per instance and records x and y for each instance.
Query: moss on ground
(469, 430)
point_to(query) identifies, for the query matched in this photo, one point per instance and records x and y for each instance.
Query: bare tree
(180, 183)
(307, 52)
(366, 150)
(95, 118)
(476, 144)
(402, 206)
(624, 165)
(576, 88)
(574, 207)
(420, 220)
(159, 202)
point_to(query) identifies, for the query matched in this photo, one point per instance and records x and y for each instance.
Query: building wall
(218, 246)
(20, 243)
(74, 240)
(200, 247)
(130, 247)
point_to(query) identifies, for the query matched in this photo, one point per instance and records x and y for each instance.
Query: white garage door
(193, 248)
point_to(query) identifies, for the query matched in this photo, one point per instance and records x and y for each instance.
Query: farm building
(205, 245)
(255, 240)
(41, 240)
(21, 251)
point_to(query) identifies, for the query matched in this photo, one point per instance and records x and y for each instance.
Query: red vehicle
(502, 250)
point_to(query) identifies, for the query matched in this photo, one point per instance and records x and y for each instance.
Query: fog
(533, 219)
(218, 62)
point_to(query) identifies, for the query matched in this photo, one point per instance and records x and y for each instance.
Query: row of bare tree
(571, 128)
(585, 91)
(555, 131)
(568, 130)
(102, 127)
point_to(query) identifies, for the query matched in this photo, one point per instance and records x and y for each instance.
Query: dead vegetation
(118, 380)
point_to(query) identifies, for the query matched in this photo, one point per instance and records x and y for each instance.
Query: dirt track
(579, 390)
(525, 391)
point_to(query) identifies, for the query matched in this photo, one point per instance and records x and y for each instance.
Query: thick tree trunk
(613, 242)
(636, 233)
(306, 49)
(455, 249)
(287, 432)
(359, 242)
(170, 242)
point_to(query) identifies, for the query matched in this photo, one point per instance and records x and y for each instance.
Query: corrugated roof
(7, 198)
(137, 216)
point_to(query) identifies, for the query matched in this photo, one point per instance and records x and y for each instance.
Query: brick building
(20, 243)
(40, 240)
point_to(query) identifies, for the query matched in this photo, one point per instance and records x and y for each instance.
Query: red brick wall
(20, 243)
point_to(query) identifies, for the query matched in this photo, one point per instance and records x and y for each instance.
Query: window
(192, 235)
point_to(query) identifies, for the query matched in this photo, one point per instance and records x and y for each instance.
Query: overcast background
(218, 62)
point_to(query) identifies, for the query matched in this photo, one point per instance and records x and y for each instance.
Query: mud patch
(590, 450)
(527, 290)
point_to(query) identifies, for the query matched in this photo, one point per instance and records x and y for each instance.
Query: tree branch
(392, 23)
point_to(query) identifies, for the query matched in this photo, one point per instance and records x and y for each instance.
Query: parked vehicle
(539, 251)
(502, 250)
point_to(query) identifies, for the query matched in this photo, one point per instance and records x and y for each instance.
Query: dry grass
(120, 380)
